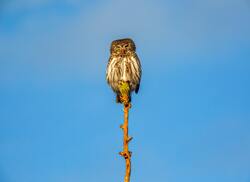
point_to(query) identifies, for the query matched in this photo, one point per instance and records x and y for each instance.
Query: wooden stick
(126, 139)
(125, 99)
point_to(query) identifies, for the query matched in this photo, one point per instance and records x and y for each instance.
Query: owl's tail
(118, 99)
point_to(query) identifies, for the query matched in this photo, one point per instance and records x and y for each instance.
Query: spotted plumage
(123, 66)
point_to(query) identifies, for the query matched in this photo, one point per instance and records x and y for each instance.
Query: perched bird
(123, 67)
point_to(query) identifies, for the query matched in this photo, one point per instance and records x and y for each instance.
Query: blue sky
(58, 118)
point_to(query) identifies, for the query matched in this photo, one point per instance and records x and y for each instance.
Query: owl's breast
(123, 68)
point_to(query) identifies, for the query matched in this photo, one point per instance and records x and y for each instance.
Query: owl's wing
(113, 73)
(109, 69)
(138, 72)
(137, 88)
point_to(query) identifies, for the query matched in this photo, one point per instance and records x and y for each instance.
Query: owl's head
(122, 47)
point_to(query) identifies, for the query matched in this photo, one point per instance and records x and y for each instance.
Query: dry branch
(124, 89)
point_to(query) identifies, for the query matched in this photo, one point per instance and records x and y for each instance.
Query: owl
(123, 66)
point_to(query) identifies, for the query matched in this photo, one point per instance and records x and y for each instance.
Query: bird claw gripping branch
(125, 94)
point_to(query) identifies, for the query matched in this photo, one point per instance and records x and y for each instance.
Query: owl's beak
(123, 51)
